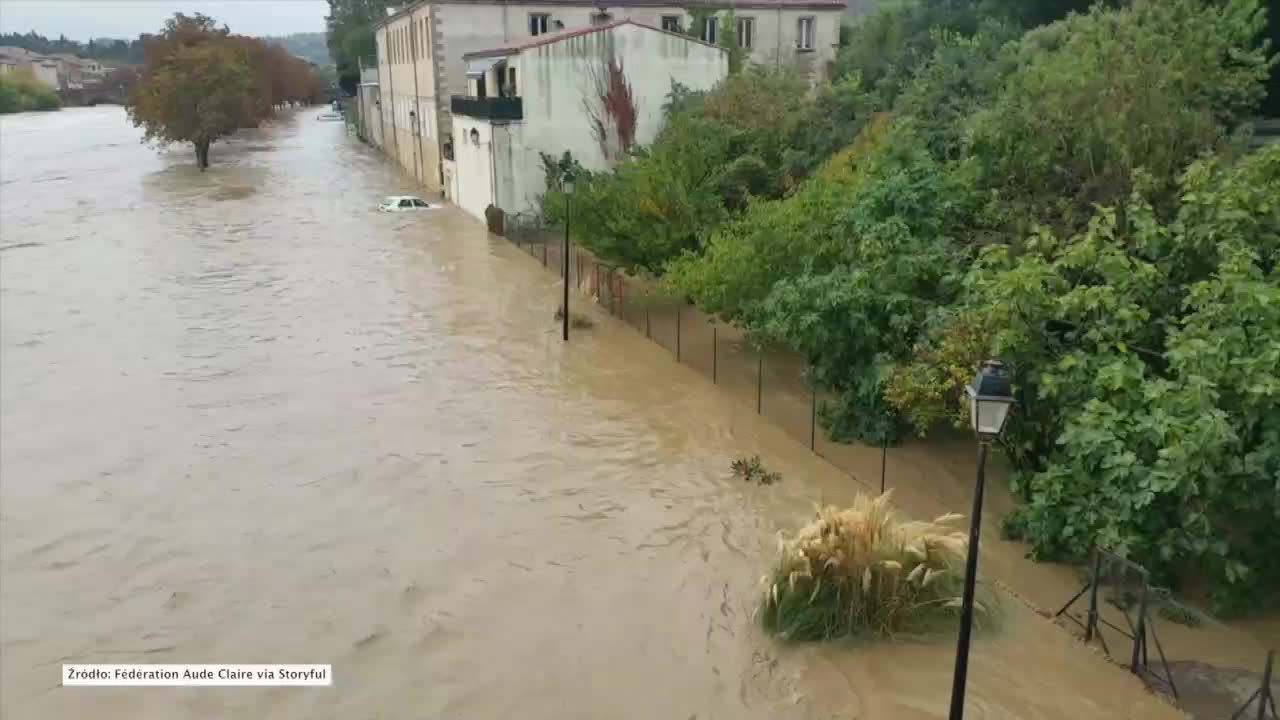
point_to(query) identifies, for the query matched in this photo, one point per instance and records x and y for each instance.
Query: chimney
(392, 11)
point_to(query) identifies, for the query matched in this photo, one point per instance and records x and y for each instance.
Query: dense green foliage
(21, 92)
(1150, 374)
(350, 36)
(1071, 197)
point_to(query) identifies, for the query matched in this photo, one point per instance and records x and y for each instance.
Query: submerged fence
(773, 381)
(1120, 611)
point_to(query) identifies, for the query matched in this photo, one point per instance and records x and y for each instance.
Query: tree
(200, 94)
(201, 83)
(350, 36)
(1175, 78)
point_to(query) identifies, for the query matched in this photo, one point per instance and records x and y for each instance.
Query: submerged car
(404, 203)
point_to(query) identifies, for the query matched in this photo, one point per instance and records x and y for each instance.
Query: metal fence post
(1264, 695)
(1140, 632)
(1095, 577)
(715, 352)
(813, 414)
(760, 383)
(544, 252)
(677, 333)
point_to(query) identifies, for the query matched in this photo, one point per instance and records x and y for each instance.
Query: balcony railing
(488, 108)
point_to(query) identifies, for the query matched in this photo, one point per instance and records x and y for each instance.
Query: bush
(21, 92)
(1150, 378)
(861, 572)
(846, 270)
(1098, 96)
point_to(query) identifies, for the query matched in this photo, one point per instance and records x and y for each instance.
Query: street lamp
(990, 398)
(566, 184)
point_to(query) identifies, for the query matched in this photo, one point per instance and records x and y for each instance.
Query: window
(671, 23)
(406, 203)
(601, 18)
(710, 30)
(804, 35)
(538, 23)
(746, 32)
(511, 82)
(420, 203)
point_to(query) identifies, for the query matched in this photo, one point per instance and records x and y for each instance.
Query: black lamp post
(990, 398)
(566, 184)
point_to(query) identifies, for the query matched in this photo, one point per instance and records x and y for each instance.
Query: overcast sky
(83, 19)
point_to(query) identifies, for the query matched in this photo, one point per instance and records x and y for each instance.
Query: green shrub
(1096, 97)
(21, 92)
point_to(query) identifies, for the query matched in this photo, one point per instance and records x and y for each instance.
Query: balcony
(488, 108)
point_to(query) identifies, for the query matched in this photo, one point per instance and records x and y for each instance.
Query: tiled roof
(549, 38)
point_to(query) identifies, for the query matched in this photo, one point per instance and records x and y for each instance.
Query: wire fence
(1118, 609)
(775, 382)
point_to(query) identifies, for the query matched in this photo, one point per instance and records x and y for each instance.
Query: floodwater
(247, 420)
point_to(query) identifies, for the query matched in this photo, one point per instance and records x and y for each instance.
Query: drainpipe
(493, 167)
(391, 79)
(417, 125)
(382, 121)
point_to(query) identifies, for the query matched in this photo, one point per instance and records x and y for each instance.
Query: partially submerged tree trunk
(202, 154)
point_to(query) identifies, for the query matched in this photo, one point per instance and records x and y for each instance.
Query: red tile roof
(549, 38)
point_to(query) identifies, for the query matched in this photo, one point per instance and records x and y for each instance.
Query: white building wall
(47, 73)
(557, 82)
(554, 82)
(473, 165)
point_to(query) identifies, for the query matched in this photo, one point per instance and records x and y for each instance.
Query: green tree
(198, 94)
(730, 42)
(350, 36)
(657, 202)
(1147, 359)
(1098, 96)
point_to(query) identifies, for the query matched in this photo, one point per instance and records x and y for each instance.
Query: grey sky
(83, 19)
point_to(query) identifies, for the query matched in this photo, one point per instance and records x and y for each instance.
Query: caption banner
(197, 675)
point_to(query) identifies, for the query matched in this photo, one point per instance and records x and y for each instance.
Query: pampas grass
(862, 572)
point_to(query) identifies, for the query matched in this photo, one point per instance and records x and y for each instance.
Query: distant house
(44, 69)
(593, 92)
(75, 73)
(421, 51)
(59, 71)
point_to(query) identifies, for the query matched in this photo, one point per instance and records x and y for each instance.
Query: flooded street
(246, 419)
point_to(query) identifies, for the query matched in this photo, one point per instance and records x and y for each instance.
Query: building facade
(408, 102)
(421, 52)
(592, 92)
(46, 70)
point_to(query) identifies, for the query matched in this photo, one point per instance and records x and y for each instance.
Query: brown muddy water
(246, 419)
